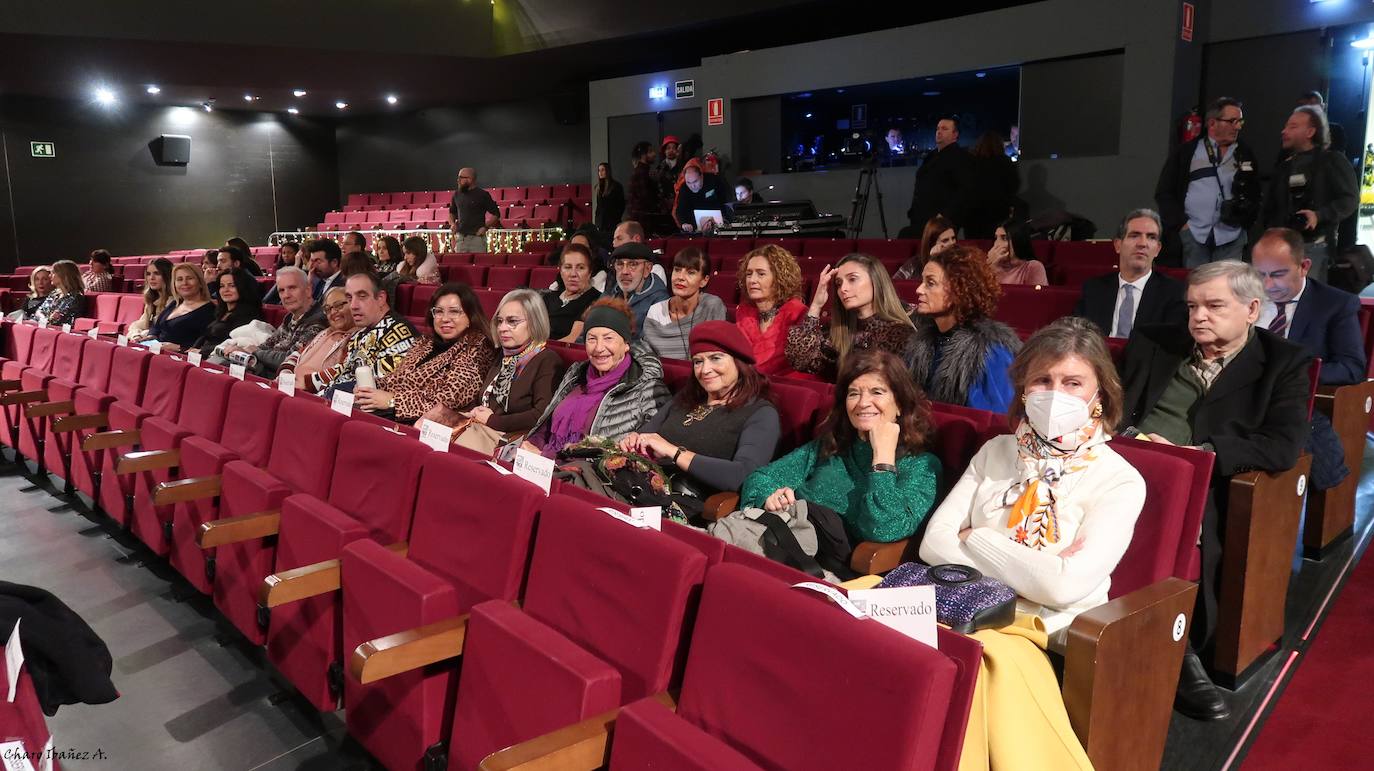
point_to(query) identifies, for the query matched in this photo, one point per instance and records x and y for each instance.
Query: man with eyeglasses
(635, 281)
(1209, 190)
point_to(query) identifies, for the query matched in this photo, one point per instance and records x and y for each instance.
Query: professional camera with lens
(1299, 198)
(1238, 212)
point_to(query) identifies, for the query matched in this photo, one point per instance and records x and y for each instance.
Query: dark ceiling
(564, 44)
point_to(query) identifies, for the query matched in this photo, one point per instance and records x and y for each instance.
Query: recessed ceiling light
(341, 105)
(249, 98)
(980, 74)
(293, 110)
(104, 96)
(391, 99)
(154, 90)
(299, 92)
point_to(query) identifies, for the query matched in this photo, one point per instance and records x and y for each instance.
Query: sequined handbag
(965, 600)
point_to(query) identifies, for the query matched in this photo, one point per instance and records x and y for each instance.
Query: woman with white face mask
(1049, 511)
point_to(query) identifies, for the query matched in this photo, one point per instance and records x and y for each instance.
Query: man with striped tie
(1226, 385)
(1136, 293)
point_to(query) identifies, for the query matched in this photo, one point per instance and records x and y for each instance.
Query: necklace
(699, 413)
(769, 315)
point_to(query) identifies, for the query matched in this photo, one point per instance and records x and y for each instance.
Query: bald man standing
(470, 213)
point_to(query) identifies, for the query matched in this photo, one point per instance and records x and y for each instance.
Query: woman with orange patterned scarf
(1049, 511)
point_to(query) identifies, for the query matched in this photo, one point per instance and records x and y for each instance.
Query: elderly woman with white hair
(520, 384)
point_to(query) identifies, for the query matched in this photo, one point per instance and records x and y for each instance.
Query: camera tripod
(868, 182)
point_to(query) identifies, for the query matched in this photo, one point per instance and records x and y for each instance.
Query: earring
(1097, 410)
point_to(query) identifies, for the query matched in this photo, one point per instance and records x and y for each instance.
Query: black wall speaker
(174, 149)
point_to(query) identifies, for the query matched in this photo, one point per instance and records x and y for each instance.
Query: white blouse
(1097, 506)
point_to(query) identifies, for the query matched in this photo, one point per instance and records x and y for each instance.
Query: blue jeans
(1195, 254)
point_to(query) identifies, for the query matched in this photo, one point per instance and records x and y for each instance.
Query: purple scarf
(574, 415)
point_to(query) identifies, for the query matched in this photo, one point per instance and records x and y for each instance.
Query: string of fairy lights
(499, 240)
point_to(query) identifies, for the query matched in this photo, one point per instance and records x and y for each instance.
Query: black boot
(1198, 697)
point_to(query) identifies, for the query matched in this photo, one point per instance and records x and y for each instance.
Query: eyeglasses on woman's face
(509, 321)
(337, 307)
(446, 313)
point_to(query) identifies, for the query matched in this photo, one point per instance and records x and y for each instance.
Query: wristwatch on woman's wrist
(679, 452)
(888, 467)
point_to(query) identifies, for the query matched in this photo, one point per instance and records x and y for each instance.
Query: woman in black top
(721, 426)
(237, 305)
(183, 321)
(566, 307)
(610, 199)
(40, 286)
(67, 300)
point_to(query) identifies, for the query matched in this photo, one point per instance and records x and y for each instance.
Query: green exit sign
(43, 149)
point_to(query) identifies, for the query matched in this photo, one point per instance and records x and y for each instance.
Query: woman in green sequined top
(869, 464)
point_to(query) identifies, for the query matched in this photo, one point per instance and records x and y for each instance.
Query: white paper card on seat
(14, 660)
(832, 593)
(505, 472)
(237, 371)
(434, 434)
(908, 609)
(42, 323)
(534, 468)
(45, 760)
(154, 346)
(122, 341)
(194, 357)
(286, 383)
(15, 757)
(94, 334)
(67, 328)
(650, 517)
(342, 403)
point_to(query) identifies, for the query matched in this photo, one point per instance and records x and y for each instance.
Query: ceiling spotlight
(299, 92)
(980, 74)
(293, 110)
(249, 98)
(341, 105)
(208, 105)
(391, 99)
(154, 90)
(104, 96)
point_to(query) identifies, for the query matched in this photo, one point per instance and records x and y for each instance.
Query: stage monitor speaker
(174, 149)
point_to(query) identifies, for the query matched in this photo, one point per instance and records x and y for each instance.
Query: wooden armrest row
(414, 648)
(183, 490)
(108, 440)
(584, 745)
(147, 460)
(49, 409)
(222, 532)
(23, 397)
(308, 580)
(80, 423)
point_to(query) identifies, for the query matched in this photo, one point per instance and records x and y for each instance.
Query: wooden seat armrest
(393, 654)
(183, 490)
(221, 532)
(80, 423)
(147, 460)
(49, 409)
(10, 385)
(1121, 668)
(23, 397)
(108, 440)
(307, 581)
(719, 506)
(873, 558)
(583, 745)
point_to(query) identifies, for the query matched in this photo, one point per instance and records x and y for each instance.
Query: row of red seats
(251, 461)
(535, 193)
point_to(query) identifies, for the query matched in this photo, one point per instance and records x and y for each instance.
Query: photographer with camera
(1209, 189)
(1313, 187)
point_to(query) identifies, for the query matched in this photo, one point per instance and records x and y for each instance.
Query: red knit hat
(669, 140)
(721, 336)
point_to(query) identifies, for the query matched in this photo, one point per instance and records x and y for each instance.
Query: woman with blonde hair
(67, 299)
(770, 285)
(157, 291)
(864, 313)
(183, 321)
(40, 286)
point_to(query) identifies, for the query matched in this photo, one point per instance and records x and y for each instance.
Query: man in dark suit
(1117, 302)
(1223, 385)
(1321, 318)
(944, 180)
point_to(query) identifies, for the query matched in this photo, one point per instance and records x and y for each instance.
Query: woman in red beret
(721, 426)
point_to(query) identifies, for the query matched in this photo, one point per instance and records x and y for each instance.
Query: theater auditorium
(788, 384)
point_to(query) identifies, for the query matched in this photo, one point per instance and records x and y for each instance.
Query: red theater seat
(504, 278)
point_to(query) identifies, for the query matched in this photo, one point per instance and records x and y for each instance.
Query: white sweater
(1098, 505)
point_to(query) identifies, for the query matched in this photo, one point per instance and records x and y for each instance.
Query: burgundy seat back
(303, 446)
(376, 473)
(1195, 476)
(66, 362)
(1162, 524)
(473, 527)
(800, 409)
(95, 364)
(106, 306)
(249, 419)
(129, 373)
(956, 440)
(130, 308)
(773, 699)
(618, 592)
(20, 342)
(204, 401)
(44, 345)
(162, 392)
